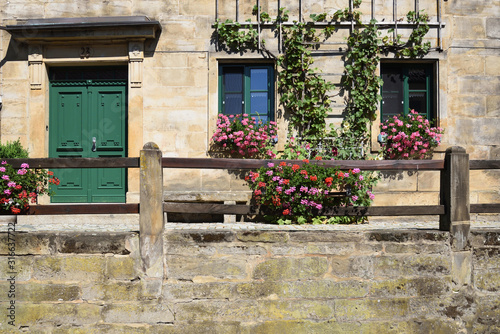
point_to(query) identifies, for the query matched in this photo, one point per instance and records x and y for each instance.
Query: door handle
(93, 144)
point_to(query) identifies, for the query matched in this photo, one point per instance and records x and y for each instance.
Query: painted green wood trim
(247, 87)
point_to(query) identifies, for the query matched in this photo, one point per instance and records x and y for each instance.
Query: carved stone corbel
(35, 65)
(136, 57)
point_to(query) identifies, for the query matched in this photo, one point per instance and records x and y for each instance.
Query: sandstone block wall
(176, 107)
(254, 282)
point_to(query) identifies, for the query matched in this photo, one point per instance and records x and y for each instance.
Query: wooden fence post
(455, 196)
(151, 222)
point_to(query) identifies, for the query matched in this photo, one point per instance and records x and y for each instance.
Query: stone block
(199, 327)
(488, 310)
(428, 181)
(209, 290)
(468, 105)
(493, 28)
(242, 250)
(396, 181)
(466, 65)
(199, 237)
(481, 329)
(354, 266)
(291, 268)
(410, 287)
(326, 236)
(263, 236)
(122, 268)
(322, 289)
(469, 28)
(37, 293)
(485, 237)
(408, 236)
(370, 309)
(314, 248)
(26, 244)
(21, 268)
(487, 280)
(484, 180)
(477, 7)
(29, 314)
(114, 292)
(493, 104)
(406, 198)
(188, 268)
(215, 180)
(91, 243)
(102, 328)
(419, 248)
(14, 126)
(412, 265)
(308, 326)
(175, 179)
(486, 258)
(145, 313)
(249, 310)
(434, 325)
(71, 268)
(176, 249)
(476, 84)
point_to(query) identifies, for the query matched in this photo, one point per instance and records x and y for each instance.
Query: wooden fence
(454, 189)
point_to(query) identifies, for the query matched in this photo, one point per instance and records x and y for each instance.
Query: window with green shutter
(407, 86)
(247, 89)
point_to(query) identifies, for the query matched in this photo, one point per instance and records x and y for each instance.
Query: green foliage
(304, 94)
(297, 194)
(13, 150)
(19, 187)
(234, 37)
(410, 137)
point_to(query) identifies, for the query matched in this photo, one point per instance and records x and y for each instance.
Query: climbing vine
(304, 93)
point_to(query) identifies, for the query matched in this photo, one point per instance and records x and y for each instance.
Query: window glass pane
(258, 79)
(258, 104)
(391, 104)
(233, 79)
(393, 79)
(233, 104)
(417, 79)
(418, 102)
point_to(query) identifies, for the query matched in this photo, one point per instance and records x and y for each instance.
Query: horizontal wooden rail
(221, 163)
(332, 211)
(375, 165)
(485, 208)
(77, 209)
(115, 162)
(484, 164)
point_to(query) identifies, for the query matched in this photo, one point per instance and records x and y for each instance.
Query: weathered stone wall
(176, 107)
(254, 282)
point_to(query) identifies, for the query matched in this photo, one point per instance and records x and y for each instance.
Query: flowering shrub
(244, 136)
(410, 137)
(19, 187)
(296, 194)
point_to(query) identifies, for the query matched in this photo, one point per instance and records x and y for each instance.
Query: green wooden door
(87, 119)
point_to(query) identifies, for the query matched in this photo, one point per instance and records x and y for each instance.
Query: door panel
(80, 112)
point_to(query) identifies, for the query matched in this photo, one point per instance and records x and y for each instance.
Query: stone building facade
(164, 56)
